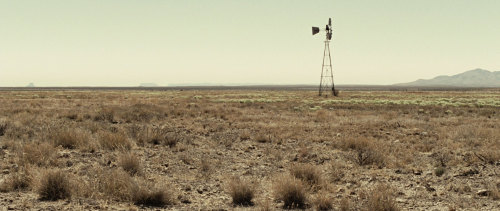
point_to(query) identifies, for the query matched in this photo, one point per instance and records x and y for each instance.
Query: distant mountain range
(471, 78)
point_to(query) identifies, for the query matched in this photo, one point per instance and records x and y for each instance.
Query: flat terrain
(197, 149)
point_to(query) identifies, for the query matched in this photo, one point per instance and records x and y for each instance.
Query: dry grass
(336, 172)
(245, 135)
(308, 173)
(105, 114)
(146, 196)
(38, 153)
(241, 191)
(291, 191)
(367, 151)
(323, 202)
(263, 138)
(121, 147)
(18, 181)
(345, 205)
(489, 155)
(69, 138)
(114, 141)
(494, 191)
(116, 184)
(381, 198)
(130, 163)
(3, 127)
(54, 185)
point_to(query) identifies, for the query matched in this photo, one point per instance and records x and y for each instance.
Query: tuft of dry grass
(54, 185)
(38, 153)
(307, 173)
(263, 138)
(494, 191)
(245, 135)
(291, 191)
(242, 192)
(367, 151)
(439, 171)
(345, 204)
(18, 181)
(323, 202)
(489, 156)
(381, 198)
(336, 172)
(114, 141)
(172, 139)
(155, 198)
(206, 167)
(3, 127)
(106, 115)
(130, 163)
(68, 138)
(116, 184)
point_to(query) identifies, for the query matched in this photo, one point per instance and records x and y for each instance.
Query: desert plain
(249, 150)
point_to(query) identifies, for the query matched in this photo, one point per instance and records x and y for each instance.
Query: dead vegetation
(242, 192)
(54, 185)
(291, 192)
(152, 197)
(87, 150)
(380, 198)
(18, 181)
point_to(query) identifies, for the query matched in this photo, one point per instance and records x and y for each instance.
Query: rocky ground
(409, 151)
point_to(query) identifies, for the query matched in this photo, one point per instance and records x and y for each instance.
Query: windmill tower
(326, 84)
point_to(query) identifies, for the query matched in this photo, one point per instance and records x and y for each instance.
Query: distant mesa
(148, 85)
(31, 85)
(472, 78)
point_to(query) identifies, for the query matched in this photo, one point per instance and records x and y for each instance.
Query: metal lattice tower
(326, 82)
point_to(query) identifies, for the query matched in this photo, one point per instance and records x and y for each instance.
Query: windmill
(326, 82)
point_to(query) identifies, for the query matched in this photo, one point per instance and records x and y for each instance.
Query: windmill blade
(315, 30)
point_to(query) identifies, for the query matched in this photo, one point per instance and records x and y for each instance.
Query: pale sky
(125, 42)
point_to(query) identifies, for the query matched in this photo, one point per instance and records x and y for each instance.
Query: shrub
(489, 156)
(206, 166)
(323, 202)
(105, 114)
(113, 141)
(367, 151)
(158, 135)
(172, 139)
(3, 127)
(130, 163)
(442, 157)
(263, 138)
(291, 191)
(40, 154)
(116, 184)
(142, 113)
(245, 135)
(494, 192)
(68, 138)
(336, 172)
(242, 192)
(439, 171)
(345, 204)
(17, 181)
(307, 173)
(54, 185)
(154, 198)
(381, 199)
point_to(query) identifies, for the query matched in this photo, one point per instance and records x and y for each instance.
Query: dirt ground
(364, 150)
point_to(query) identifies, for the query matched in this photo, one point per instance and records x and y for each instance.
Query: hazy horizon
(126, 43)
